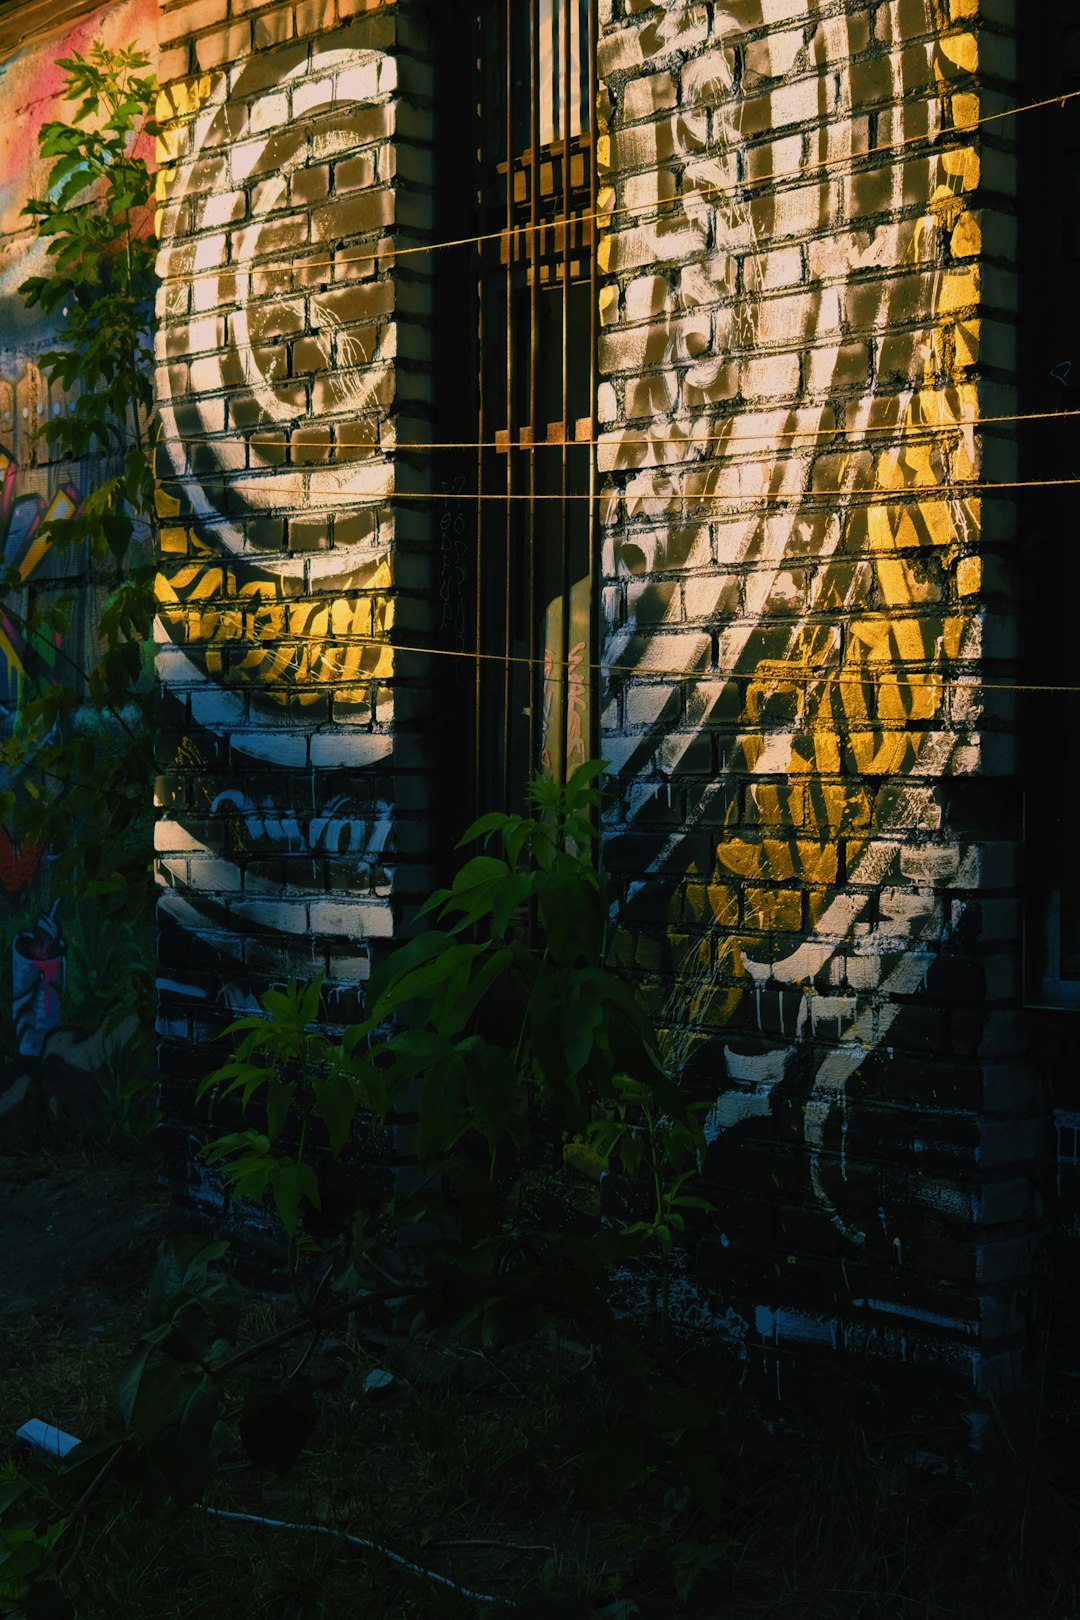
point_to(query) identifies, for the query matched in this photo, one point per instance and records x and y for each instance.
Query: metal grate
(531, 609)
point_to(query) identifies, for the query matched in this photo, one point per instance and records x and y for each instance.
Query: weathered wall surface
(55, 962)
(804, 252)
(808, 259)
(1049, 343)
(293, 785)
(806, 246)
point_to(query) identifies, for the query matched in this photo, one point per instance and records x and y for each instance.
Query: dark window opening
(520, 381)
(1048, 538)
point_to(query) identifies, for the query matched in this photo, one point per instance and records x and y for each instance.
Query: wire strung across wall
(798, 176)
(770, 672)
(645, 214)
(919, 434)
(809, 501)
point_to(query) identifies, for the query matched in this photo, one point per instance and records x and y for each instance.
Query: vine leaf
(276, 1423)
(46, 1600)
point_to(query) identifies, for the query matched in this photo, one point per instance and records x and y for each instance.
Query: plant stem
(658, 1205)
(321, 1318)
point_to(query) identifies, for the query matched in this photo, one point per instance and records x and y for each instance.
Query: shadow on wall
(782, 790)
(58, 971)
(56, 1041)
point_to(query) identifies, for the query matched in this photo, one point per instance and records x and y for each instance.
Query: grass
(469, 1465)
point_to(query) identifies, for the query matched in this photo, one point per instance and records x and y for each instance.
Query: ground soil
(76, 1242)
(470, 1466)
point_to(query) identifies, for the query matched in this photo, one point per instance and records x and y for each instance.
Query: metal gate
(530, 613)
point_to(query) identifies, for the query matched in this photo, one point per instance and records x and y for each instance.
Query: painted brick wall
(295, 785)
(1048, 334)
(1065, 1044)
(816, 834)
(63, 974)
(808, 309)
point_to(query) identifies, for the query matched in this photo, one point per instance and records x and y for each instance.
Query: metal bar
(481, 436)
(533, 273)
(509, 572)
(593, 651)
(564, 707)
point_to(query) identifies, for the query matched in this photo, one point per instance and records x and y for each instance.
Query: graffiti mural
(787, 407)
(55, 969)
(277, 347)
(37, 951)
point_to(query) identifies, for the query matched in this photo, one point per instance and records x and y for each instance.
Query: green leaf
(611, 1469)
(433, 902)
(276, 1423)
(583, 1017)
(279, 1101)
(184, 1262)
(461, 998)
(290, 1182)
(127, 1390)
(631, 1149)
(492, 1087)
(483, 827)
(286, 1007)
(691, 1562)
(521, 832)
(689, 1201)
(572, 912)
(402, 961)
(161, 1397)
(579, 779)
(415, 1050)
(511, 893)
(46, 1600)
(187, 1337)
(425, 981)
(241, 1076)
(372, 1087)
(706, 1485)
(337, 1102)
(180, 1446)
(309, 1000)
(11, 1492)
(473, 889)
(442, 1114)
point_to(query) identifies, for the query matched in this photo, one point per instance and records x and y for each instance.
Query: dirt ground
(469, 1464)
(76, 1242)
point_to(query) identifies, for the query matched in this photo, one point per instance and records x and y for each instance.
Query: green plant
(129, 1116)
(521, 1059)
(28, 1546)
(83, 738)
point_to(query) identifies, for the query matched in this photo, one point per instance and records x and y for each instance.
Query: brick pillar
(815, 833)
(294, 788)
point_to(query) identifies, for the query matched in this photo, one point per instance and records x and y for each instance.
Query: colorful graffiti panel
(789, 389)
(275, 595)
(57, 970)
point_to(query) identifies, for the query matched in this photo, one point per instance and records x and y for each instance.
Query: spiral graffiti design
(836, 612)
(282, 369)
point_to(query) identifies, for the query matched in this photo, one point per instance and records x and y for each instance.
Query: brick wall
(808, 310)
(816, 835)
(1048, 146)
(295, 782)
(63, 973)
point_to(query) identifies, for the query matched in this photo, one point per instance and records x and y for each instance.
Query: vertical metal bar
(511, 244)
(478, 626)
(595, 595)
(564, 707)
(533, 273)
